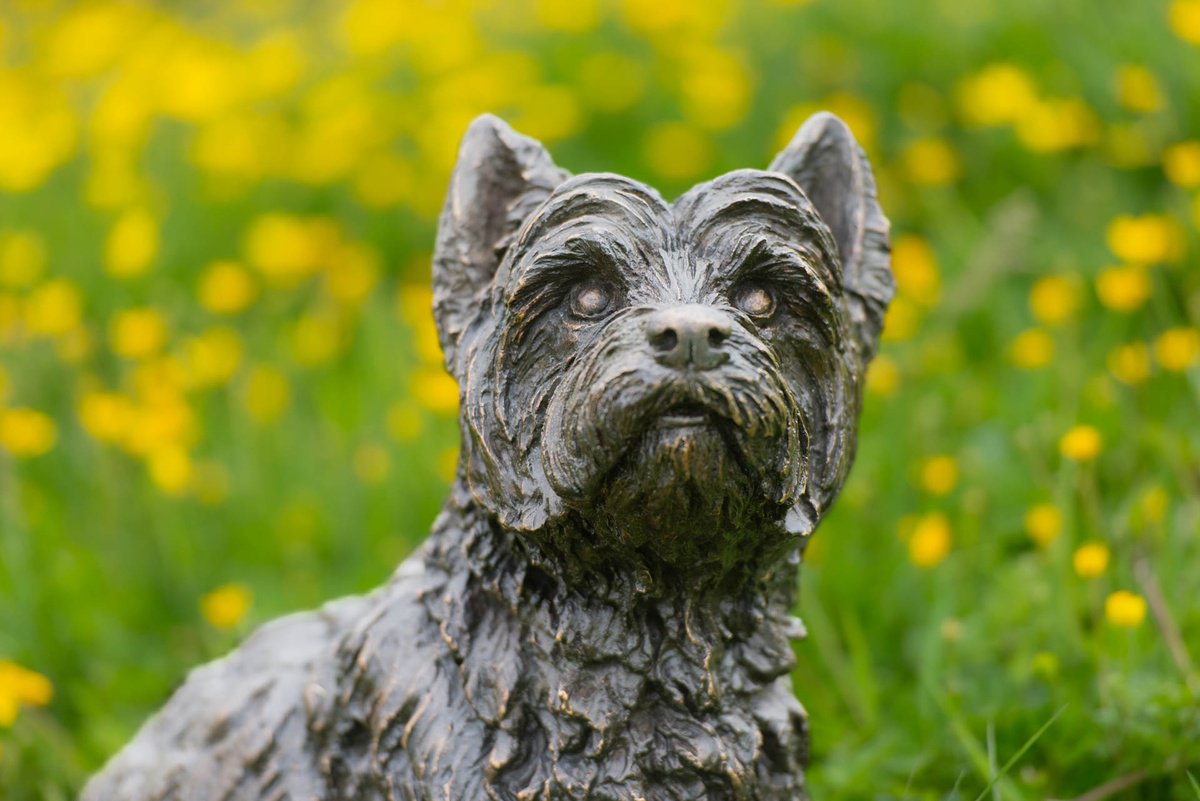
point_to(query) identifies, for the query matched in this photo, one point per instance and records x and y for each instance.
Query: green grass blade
(1020, 753)
(1195, 785)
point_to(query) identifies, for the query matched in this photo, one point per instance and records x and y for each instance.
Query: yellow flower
(851, 109)
(199, 79)
(1138, 89)
(226, 288)
(53, 309)
(1080, 444)
(883, 377)
(1091, 560)
(212, 358)
(1149, 239)
(1177, 349)
(226, 606)
(1058, 124)
(999, 94)
(1130, 364)
(1152, 505)
(435, 390)
(22, 258)
(939, 475)
(137, 333)
(716, 88)
(352, 272)
(930, 541)
(578, 16)
(1123, 289)
(1184, 18)
(267, 394)
(37, 131)
(1043, 523)
(1032, 349)
(677, 151)
(930, 161)
(107, 416)
(20, 687)
(447, 464)
(611, 81)
(1181, 163)
(1054, 299)
(287, 249)
(1125, 609)
(383, 180)
(132, 244)
(170, 469)
(316, 339)
(371, 463)
(915, 269)
(26, 432)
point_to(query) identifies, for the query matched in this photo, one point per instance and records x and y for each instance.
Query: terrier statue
(659, 402)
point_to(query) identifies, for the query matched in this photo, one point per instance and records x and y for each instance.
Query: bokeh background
(221, 396)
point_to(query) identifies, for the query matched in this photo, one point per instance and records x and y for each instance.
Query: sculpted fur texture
(658, 405)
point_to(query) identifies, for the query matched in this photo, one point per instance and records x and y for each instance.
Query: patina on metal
(658, 404)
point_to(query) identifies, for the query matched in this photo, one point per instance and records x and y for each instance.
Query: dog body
(658, 404)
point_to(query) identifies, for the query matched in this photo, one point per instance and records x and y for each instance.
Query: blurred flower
(22, 258)
(851, 109)
(132, 244)
(930, 161)
(226, 288)
(1184, 18)
(930, 540)
(1181, 164)
(37, 131)
(915, 269)
(1032, 349)
(371, 463)
(1130, 145)
(901, 320)
(383, 180)
(447, 465)
(54, 308)
(435, 390)
(1091, 560)
(26, 432)
(226, 606)
(267, 394)
(677, 151)
(212, 358)
(1043, 523)
(287, 249)
(578, 16)
(21, 687)
(1125, 609)
(209, 482)
(1177, 349)
(199, 79)
(403, 421)
(1137, 89)
(1130, 364)
(1054, 299)
(1149, 239)
(352, 272)
(611, 81)
(1058, 124)
(1123, 289)
(716, 88)
(883, 376)
(999, 94)
(1080, 444)
(137, 333)
(107, 416)
(276, 62)
(939, 475)
(170, 469)
(316, 338)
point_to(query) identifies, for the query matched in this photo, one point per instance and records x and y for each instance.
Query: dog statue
(658, 404)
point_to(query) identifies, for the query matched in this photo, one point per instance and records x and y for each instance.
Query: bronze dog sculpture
(658, 404)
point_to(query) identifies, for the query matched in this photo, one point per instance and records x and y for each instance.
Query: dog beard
(684, 496)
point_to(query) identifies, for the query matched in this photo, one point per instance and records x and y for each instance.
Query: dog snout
(691, 336)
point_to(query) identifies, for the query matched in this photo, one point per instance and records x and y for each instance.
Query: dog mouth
(685, 415)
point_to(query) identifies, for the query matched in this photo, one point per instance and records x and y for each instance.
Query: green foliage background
(293, 443)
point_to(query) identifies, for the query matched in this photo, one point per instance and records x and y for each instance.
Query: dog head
(671, 375)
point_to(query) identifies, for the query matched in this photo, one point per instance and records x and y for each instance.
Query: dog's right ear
(499, 174)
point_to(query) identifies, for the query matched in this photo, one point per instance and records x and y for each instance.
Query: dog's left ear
(826, 161)
(499, 175)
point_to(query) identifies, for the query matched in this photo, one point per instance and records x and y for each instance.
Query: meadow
(221, 396)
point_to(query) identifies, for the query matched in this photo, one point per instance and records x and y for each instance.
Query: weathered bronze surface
(658, 404)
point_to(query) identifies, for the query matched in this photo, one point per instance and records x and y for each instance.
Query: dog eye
(755, 300)
(590, 300)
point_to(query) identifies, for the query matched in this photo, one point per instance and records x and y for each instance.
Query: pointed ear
(499, 174)
(826, 161)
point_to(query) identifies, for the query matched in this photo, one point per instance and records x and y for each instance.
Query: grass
(281, 428)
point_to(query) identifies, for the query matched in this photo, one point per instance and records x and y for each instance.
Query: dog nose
(689, 336)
